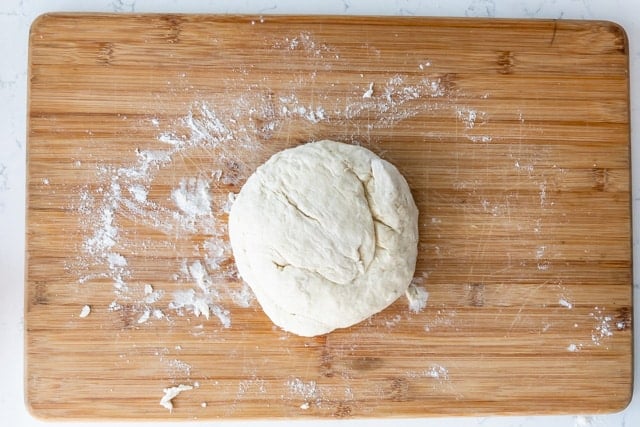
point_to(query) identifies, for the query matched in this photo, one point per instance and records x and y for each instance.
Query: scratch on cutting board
(518, 316)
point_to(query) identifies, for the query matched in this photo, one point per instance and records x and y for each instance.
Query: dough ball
(326, 235)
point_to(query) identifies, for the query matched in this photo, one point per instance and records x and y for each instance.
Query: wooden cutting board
(514, 138)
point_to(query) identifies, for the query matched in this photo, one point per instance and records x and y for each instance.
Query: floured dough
(326, 235)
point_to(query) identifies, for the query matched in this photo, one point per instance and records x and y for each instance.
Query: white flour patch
(543, 193)
(438, 376)
(253, 384)
(390, 323)
(494, 208)
(306, 43)
(123, 195)
(485, 139)
(243, 297)
(468, 117)
(528, 168)
(201, 300)
(602, 329)
(308, 392)
(217, 252)
(152, 296)
(443, 319)
(471, 117)
(178, 368)
(543, 264)
(434, 371)
(192, 197)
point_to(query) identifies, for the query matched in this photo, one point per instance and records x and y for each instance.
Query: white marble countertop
(16, 17)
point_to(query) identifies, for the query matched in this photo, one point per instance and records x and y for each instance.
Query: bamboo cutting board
(513, 136)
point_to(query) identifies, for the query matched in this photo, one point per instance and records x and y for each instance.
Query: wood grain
(520, 169)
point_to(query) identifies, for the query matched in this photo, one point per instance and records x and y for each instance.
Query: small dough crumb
(305, 406)
(85, 311)
(369, 92)
(144, 317)
(170, 393)
(417, 296)
(203, 404)
(567, 304)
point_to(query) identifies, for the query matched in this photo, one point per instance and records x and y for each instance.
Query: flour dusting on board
(188, 217)
(309, 392)
(434, 371)
(126, 193)
(603, 326)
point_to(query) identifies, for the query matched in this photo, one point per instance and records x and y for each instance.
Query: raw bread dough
(326, 235)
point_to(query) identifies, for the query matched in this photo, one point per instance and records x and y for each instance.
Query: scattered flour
(434, 371)
(468, 116)
(308, 391)
(443, 319)
(390, 323)
(602, 329)
(178, 368)
(438, 376)
(152, 296)
(543, 193)
(192, 197)
(252, 384)
(243, 297)
(203, 300)
(307, 44)
(481, 138)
